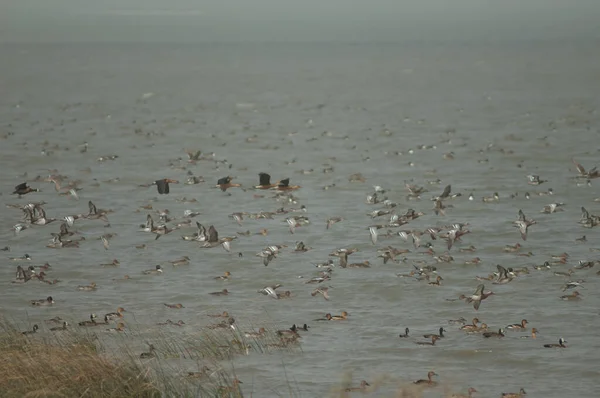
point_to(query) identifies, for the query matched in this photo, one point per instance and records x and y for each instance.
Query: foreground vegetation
(74, 363)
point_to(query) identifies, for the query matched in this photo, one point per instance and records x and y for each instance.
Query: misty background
(296, 21)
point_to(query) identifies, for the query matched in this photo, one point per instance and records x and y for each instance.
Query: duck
(223, 277)
(327, 317)
(342, 317)
(260, 333)
(156, 271)
(223, 292)
(24, 189)
(149, 354)
(88, 288)
(571, 297)
(293, 331)
(498, 334)
(58, 328)
(494, 198)
(264, 182)
(91, 322)
(224, 314)
(469, 394)
(233, 389)
(561, 344)
(472, 326)
(478, 296)
(114, 263)
(227, 324)
(429, 380)
(434, 338)
(225, 183)
(43, 302)
(32, 331)
(162, 185)
(170, 322)
(115, 315)
(534, 333)
(405, 333)
(363, 387)
(185, 260)
(174, 306)
(284, 185)
(480, 329)
(441, 335)
(518, 326)
(25, 257)
(519, 394)
(324, 291)
(437, 281)
(119, 328)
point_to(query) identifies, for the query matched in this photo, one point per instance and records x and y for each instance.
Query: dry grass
(73, 364)
(36, 368)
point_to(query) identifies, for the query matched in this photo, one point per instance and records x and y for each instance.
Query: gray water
(505, 110)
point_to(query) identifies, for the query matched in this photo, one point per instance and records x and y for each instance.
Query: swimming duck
(565, 274)
(363, 387)
(156, 271)
(498, 334)
(32, 331)
(519, 394)
(224, 314)
(185, 260)
(561, 344)
(264, 182)
(472, 326)
(223, 292)
(119, 328)
(43, 302)
(534, 333)
(494, 198)
(405, 333)
(115, 315)
(88, 288)
(58, 328)
(255, 335)
(170, 322)
(571, 297)
(225, 183)
(512, 249)
(24, 189)
(429, 380)
(223, 277)
(114, 263)
(227, 324)
(434, 338)
(469, 394)
(293, 331)
(91, 322)
(441, 335)
(327, 317)
(437, 281)
(284, 185)
(518, 326)
(149, 354)
(232, 390)
(342, 317)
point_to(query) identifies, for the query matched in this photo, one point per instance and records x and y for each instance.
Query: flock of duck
(387, 223)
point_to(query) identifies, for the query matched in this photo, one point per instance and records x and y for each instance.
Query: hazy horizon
(292, 21)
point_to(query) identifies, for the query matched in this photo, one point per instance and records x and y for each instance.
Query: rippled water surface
(504, 111)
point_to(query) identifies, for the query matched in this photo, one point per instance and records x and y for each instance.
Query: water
(265, 108)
